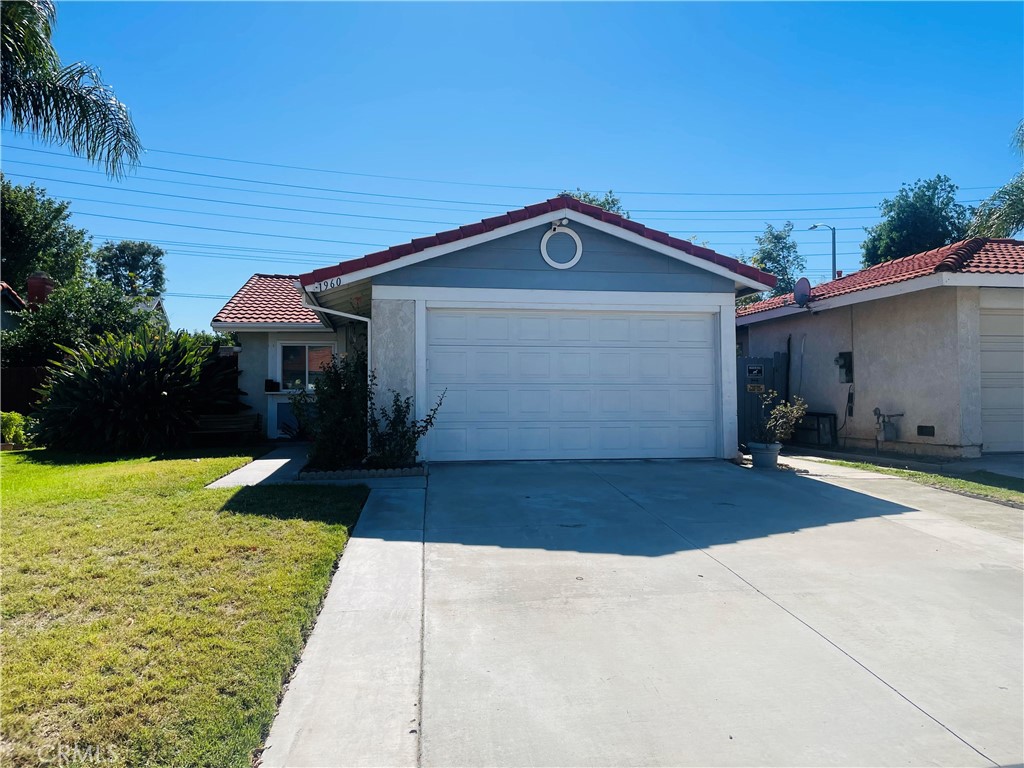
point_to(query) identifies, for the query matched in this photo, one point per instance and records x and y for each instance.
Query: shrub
(12, 428)
(123, 393)
(394, 434)
(335, 414)
(778, 421)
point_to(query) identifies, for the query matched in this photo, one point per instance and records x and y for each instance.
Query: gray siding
(608, 264)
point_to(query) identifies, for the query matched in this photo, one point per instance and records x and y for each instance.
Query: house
(937, 337)
(10, 302)
(555, 331)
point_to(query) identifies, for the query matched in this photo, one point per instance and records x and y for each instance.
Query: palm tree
(1002, 215)
(62, 105)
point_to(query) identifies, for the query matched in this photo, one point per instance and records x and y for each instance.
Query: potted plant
(777, 422)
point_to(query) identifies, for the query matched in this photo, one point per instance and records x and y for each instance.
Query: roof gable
(398, 255)
(267, 300)
(975, 256)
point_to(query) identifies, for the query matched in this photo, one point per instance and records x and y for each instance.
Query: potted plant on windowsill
(777, 421)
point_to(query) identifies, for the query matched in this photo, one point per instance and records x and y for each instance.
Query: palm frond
(1001, 215)
(72, 106)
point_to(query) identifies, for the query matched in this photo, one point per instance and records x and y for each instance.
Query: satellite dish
(802, 292)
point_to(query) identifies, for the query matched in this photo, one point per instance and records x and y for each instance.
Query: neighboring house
(555, 331)
(10, 302)
(937, 337)
(154, 304)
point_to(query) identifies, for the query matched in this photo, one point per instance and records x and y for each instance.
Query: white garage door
(1002, 379)
(567, 384)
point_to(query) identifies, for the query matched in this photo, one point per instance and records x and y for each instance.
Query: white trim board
(263, 327)
(936, 280)
(334, 283)
(510, 298)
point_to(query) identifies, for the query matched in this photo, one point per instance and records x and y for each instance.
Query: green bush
(347, 428)
(394, 433)
(12, 428)
(128, 393)
(334, 415)
(778, 418)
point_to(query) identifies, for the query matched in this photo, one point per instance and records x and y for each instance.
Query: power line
(333, 213)
(500, 186)
(275, 193)
(233, 202)
(228, 231)
(197, 296)
(293, 186)
(460, 202)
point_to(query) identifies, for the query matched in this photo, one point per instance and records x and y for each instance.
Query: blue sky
(753, 110)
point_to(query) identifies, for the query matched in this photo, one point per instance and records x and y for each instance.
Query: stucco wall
(393, 346)
(252, 366)
(608, 264)
(911, 355)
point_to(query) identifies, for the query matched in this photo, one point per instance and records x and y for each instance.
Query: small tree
(73, 314)
(36, 235)
(922, 216)
(776, 253)
(133, 266)
(334, 415)
(778, 418)
(609, 200)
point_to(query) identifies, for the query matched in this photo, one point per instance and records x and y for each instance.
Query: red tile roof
(267, 299)
(977, 255)
(560, 203)
(12, 294)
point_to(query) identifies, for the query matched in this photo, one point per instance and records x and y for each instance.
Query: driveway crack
(779, 605)
(423, 629)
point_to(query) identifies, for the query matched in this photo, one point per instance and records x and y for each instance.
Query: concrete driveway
(666, 613)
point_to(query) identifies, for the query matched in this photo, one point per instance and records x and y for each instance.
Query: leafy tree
(1002, 215)
(776, 253)
(73, 314)
(609, 200)
(133, 266)
(67, 105)
(36, 234)
(922, 216)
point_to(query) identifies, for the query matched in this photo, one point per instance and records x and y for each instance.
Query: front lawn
(984, 485)
(148, 620)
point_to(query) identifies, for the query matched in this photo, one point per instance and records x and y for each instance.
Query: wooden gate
(755, 376)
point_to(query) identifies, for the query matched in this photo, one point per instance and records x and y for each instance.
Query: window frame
(300, 343)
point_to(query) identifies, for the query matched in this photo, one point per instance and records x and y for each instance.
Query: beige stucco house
(937, 337)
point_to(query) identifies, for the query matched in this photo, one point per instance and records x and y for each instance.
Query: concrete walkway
(665, 613)
(354, 698)
(281, 465)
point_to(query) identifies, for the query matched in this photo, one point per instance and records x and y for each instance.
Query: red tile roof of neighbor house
(560, 203)
(977, 255)
(267, 299)
(12, 294)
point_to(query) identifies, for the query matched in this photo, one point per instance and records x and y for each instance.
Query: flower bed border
(362, 474)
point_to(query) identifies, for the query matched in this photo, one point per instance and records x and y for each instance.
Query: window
(301, 364)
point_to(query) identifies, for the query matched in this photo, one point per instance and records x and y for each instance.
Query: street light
(815, 226)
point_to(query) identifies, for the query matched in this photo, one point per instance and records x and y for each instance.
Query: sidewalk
(281, 465)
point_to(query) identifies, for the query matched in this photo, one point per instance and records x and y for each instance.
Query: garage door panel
(527, 384)
(1002, 379)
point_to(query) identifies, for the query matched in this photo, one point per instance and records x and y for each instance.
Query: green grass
(149, 618)
(987, 485)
